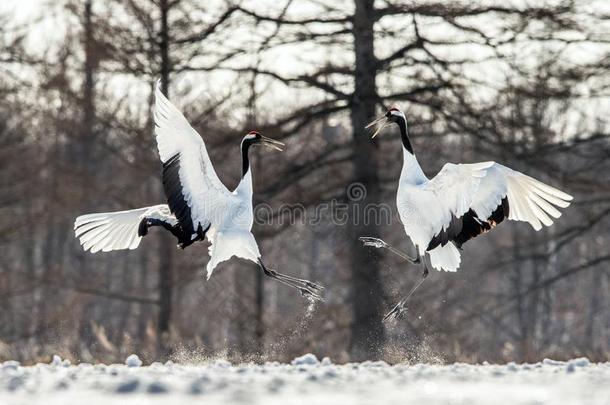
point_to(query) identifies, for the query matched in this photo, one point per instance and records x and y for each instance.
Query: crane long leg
(378, 243)
(307, 283)
(398, 309)
(308, 289)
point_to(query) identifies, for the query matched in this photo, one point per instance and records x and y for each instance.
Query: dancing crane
(198, 206)
(461, 202)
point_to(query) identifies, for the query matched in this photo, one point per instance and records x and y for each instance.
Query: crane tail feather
(445, 258)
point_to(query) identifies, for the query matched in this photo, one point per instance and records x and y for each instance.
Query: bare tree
(478, 82)
(392, 54)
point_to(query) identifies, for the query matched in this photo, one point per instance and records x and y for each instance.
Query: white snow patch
(58, 362)
(326, 361)
(220, 363)
(10, 365)
(306, 360)
(580, 362)
(577, 363)
(306, 381)
(133, 361)
(551, 362)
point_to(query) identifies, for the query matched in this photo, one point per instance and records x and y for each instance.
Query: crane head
(391, 116)
(255, 138)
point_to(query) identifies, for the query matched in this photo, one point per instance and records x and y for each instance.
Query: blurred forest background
(522, 82)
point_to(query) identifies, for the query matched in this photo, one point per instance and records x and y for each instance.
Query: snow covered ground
(305, 381)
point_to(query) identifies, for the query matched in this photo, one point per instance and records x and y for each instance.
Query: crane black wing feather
(195, 194)
(476, 197)
(469, 226)
(448, 233)
(175, 195)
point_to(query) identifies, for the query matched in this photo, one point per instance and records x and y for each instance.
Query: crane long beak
(272, 143)
(380, 124)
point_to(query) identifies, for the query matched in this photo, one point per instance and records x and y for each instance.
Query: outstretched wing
(194, 192)
(476, 197)
(118, 230)
(527, 199)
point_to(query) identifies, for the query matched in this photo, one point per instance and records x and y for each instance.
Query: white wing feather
(203, 191)
(529, 200)
(482, 186)
(456, 184)
(118, 230)
(454, 187)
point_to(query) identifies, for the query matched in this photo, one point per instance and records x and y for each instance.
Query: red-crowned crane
(461, 202)
(198, 206)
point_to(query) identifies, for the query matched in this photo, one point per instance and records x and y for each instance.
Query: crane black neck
(245, 162)
(404, 135)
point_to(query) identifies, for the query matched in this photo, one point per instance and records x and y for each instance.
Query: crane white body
(199, 205)
(435, 212)
(461, 202)
(227, 216)
(233, 236)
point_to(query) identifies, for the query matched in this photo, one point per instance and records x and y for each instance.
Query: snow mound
(10, 365)
(580, 362)
(306, 360)
(551, 362)
(133, 361)
(58, 362)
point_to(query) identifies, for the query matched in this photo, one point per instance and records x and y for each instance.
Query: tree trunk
(259, 285)
(166, 246)
(86, 164)
(87, 134)
(367, 329)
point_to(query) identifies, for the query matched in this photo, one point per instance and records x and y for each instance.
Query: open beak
(272, 143)
(379, 124)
